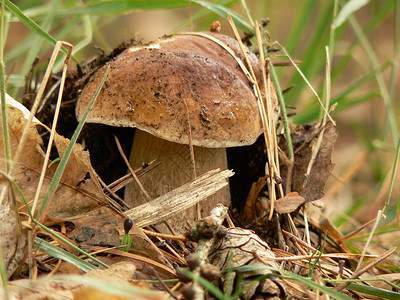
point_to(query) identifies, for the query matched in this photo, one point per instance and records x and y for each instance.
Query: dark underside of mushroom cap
(162, 86)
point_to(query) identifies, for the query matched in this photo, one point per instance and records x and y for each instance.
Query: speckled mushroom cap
(148, 85)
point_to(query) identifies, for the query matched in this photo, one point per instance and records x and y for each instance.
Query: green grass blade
(347, 10)
(286, 274)
(59, 253)
(298, 26)
(311, 112)
(394, 171)
(63, 163)
(34, 49)
(32, 25)
(313, 55)
(390, 118)
(200, 14)
(373, 291)
(222, 11)
(3, 93)
(122, 6)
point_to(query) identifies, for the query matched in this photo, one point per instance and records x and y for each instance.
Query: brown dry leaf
(68, 200)
(289, 203)
(13, 240)
(111, 283)
(304, 137)
(327, 226)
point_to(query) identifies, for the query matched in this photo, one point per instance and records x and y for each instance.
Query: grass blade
(222, 11)
(374, 291)
(347, 10)
(32, 24)
(123, 6)
(59, 253)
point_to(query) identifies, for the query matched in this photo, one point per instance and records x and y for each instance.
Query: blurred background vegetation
(364, 70)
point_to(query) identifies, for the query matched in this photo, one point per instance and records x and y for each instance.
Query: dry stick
(358, 230)
(198, 208)
(131, 170)
(368, 266)
(267, 115)
(35, 106)
(165, 236)
(378, 218)
(124, 180)
(267, 130)
(105, 188)
(163, 284)
(323, 123)
(56, 115)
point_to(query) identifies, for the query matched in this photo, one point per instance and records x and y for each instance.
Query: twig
(131, 170)
(56, 115)
(163, 284)
(323, 123)
(368, 266)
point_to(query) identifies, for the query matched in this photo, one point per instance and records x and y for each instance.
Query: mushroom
(162, 87)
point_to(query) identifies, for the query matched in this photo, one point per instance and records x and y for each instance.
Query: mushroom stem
(175, 169)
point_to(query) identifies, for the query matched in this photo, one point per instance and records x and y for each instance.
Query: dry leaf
(237, 249)
(289, 203)
(81, 287)
(68, 200)
(13, 240)
(304, 137)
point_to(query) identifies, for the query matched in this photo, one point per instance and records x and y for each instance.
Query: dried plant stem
(124, 180)
(266, 112)
(358, 230)
(191, 150)
(290, 163)
(324, 119)
(56, 51)
(269, 126)
(368, 266)
(131, 170)
(378, 218)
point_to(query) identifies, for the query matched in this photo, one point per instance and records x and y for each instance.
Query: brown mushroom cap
(148, 85)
